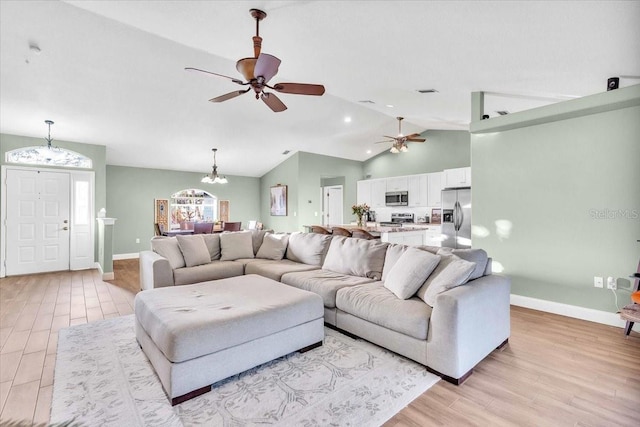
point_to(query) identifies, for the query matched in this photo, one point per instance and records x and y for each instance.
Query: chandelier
(213, 177)
(399, 147)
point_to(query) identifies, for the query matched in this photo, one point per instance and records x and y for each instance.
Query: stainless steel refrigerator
(456, 218)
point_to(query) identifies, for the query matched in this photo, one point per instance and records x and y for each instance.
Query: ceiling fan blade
(382, 142)
(229, 95)
(299, 88)
(416, 139)
(391, 137)
(266, 66)
(273, 102)
(413, 135)
(216, 74)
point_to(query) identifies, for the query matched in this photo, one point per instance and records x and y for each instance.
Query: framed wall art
(161, 213)
(278, 200)
(223, 210)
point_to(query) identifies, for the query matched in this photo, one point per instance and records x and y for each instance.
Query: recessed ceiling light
(368, 151)
(347, 119)
(389, 106)
(427, 90)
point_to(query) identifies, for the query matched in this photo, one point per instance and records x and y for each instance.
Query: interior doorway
(47, 220)
(332, 211)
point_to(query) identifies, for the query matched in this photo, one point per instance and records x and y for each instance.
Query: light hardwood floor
(555, 370)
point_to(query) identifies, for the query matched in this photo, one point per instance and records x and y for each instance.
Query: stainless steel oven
(397, 198)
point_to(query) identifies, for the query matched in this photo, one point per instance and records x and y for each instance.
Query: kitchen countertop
(375, 228)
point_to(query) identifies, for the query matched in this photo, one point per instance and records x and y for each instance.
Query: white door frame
(325, 204)
(78, 259)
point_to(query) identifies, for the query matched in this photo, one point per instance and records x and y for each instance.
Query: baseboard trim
(105, 276)
(583, 313)
(126, 256)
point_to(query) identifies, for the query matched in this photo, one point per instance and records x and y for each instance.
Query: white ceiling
(112, 73)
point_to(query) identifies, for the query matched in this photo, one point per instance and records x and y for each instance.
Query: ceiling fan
(258, 70)
(400, 141)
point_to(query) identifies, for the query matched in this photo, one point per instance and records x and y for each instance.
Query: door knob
(65, 228)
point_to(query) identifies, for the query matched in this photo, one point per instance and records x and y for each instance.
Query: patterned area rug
(103, 378)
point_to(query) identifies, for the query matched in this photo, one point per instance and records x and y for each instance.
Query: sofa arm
(155, 271)
(467, 323)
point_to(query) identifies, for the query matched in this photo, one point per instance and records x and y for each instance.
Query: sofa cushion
(213, 245)
(323, 282)
(194, 250)
(410, 272)
(257, 237)
(356, 257)
(275, 269)
(236, 245)
(377, 304)
(451, 272)
(169, 249)
(273, 246)
(308, 248)
(394, 252)
(212, 271)
(479, 256)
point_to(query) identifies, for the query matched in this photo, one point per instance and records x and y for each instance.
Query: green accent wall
(304, 174)
(556, 200)
(97, 153)
(443, 149)
(131, 194)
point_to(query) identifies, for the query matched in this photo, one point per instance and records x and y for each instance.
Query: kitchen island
(411, 234)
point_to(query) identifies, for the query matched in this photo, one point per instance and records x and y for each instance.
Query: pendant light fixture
(213, 177)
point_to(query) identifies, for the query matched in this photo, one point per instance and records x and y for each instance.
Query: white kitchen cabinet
(410, 238)
(378, 190)
(364, 192)
(418, 190)
(398, 183)
(434, 190)
(459, 177)
(433, 236)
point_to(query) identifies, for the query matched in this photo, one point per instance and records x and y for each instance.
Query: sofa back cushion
(213, 245)
(450, 272)
(257, 237)
(194, 250)
(479, 256)
(168, 248)
(410, 272)
(356, 257)
(236, 245)
(273, 246)
(308, 248)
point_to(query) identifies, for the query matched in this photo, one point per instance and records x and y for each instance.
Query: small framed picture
(436, 217)
(278, 199)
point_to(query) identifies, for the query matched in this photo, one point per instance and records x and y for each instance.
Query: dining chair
(362, 234)
(203, 228)
(320, 230)
(232, 226)
(339, 231)
(157, 229)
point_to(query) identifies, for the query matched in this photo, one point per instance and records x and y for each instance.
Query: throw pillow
(236, 245)
(356, 257)
(308, 248)
(479, 256)
(169, 249)
(273, 246)
(410, 271)
(194, 250)
(451, 272)
(213, 245)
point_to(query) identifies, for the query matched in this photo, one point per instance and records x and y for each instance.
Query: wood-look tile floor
(555, 371)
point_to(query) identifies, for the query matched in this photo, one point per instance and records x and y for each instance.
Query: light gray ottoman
(195, 335)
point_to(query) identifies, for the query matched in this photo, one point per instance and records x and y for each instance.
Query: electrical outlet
(598, 282)
(137, 240)
(611, 283)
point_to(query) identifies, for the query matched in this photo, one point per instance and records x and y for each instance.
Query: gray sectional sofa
(442, 308)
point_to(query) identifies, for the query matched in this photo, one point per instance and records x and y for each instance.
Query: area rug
(103, 378)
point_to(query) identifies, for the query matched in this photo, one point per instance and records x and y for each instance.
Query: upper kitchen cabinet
(459, 177)
(372, 192)
(363, 195)
(400, 183)
(434, 196)
(418, 186)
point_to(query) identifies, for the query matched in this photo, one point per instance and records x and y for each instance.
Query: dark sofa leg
(505, 342)
(310, 347)
(195, 393)
(447, 378)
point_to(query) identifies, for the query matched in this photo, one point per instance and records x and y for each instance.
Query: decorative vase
(360, 224)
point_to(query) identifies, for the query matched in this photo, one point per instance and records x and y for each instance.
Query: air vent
(285, 152)
(366, 101)
(427, 90)
(502, 112)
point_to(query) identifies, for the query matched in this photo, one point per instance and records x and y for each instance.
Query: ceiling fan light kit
(213, 177)
(400, 141)
(258, 70)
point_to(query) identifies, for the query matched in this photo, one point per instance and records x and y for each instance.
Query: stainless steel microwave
(397, 198)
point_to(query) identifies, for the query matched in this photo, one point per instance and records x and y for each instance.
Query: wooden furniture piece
(320, 230)
(157, 229)
(339, 231)
(203, 228)
(630, 313)
(362, 234)
(232, 226)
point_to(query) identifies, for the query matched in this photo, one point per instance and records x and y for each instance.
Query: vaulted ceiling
(112, 73)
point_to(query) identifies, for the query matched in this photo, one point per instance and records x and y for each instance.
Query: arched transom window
(48, 156)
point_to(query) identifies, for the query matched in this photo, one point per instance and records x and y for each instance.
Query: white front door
(333, 206)
(37, 221)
